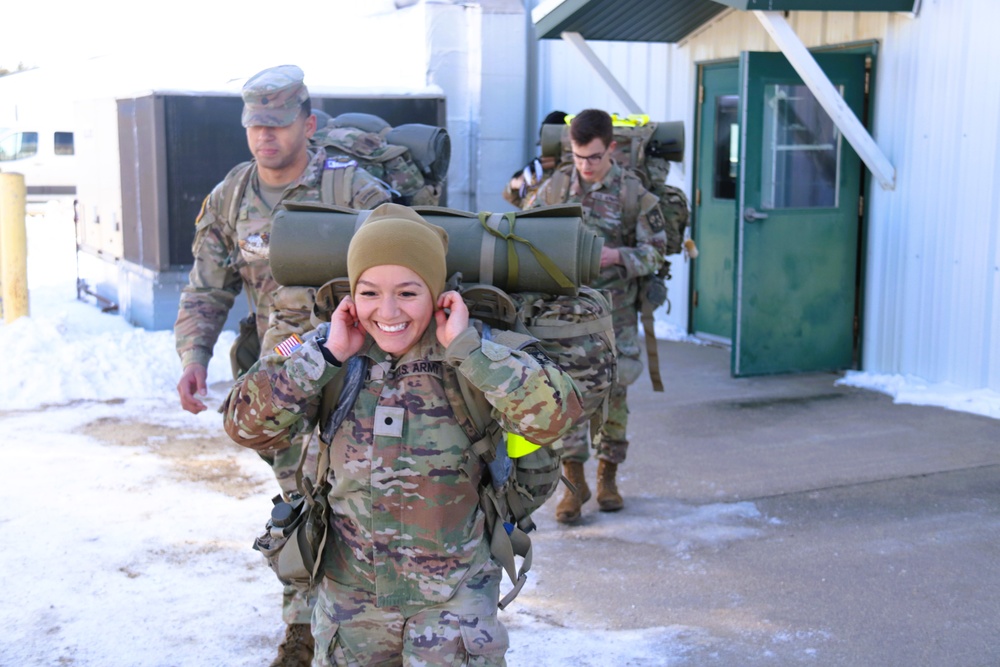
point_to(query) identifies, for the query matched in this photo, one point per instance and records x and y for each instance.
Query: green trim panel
(627, 20)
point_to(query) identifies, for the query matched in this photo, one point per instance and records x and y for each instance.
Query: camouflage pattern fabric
(382, 160)
(406, 526)
(274, 96)
(291, 313)
(229, 258)
(673, 203)
(352, 631)
(590, 359)
(233, 255)
(642, 248)
(612, 446)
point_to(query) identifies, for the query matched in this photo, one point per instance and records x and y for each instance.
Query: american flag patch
(288, 346)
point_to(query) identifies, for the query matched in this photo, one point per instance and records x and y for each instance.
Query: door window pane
(727, 148)
(801, 153)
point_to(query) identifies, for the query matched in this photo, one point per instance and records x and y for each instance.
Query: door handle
(750, 214)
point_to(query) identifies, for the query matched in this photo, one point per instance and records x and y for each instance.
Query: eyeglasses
(590, 159)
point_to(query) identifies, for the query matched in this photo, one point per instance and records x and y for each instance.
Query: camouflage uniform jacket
(642, 241)
(405, 517)
(230, 255)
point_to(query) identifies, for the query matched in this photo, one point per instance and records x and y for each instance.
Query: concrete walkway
(787, 521)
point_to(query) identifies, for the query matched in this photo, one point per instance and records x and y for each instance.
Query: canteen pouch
(294, 549)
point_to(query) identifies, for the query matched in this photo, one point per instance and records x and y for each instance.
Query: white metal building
(929, 235)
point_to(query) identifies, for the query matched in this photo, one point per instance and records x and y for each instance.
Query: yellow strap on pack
(631, 120)
(517, 446)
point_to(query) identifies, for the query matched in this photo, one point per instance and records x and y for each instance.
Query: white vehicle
(45, 157)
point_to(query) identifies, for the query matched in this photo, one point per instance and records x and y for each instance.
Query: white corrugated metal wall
(932, 299)
(933, 308)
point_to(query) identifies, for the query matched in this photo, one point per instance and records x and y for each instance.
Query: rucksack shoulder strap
(499, 497)
(557, 191)
(233, 187)
(337, 182)
(631, 193)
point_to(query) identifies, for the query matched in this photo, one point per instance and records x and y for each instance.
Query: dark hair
(592, 124)
(555, 118)
(307, 108)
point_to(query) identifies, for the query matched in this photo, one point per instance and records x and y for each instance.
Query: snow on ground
(128, 522)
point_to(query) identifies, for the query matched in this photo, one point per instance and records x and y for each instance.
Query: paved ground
(787, 521)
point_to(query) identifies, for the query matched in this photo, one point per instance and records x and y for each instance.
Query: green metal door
(714, 230)
(796, 257)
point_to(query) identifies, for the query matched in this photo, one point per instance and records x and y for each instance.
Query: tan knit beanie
(395, 234)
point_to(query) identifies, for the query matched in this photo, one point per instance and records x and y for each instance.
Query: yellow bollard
(13, 247)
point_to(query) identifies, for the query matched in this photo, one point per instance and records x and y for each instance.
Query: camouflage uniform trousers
(612, 443)
(350, 631)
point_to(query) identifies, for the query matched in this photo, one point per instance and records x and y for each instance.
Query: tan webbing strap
(337, 181)
(343, 179)
(234, 196)
(630, 215)
(571, 329)
(487, 248)
(652, 353)
(504, 546)
(326, 186)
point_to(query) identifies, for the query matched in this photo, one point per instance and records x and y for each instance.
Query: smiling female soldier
(408, 575)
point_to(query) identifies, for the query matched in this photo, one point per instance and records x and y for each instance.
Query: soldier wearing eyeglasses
(627, 216)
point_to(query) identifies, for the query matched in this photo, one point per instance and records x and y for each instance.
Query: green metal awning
(824, 5)
(672, 20)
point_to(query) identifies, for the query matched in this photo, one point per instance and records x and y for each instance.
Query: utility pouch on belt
(246, 348)
(294, 536)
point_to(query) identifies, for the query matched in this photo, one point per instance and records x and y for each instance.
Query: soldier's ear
(310, 125)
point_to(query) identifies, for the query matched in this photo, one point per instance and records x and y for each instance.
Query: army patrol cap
(274, 97)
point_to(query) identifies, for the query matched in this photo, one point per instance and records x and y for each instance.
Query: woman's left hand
(453, 322)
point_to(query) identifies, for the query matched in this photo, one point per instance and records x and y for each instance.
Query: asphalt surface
(784, 520)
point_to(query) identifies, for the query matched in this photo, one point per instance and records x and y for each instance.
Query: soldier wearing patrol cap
(231, 253)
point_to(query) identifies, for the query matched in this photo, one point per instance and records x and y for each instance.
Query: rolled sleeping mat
(322, 118)
(666, 140)
(551, 140)
(363, 121)
(429, 145)
(551, 249)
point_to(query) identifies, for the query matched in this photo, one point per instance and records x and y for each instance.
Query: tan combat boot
(608, 498)
(568, 509)
(296, 649)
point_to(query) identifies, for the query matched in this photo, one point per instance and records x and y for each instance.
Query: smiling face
(394, 306)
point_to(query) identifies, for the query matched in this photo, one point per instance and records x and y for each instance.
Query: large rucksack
(573, 327)
(645, 149)
(412, 159)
